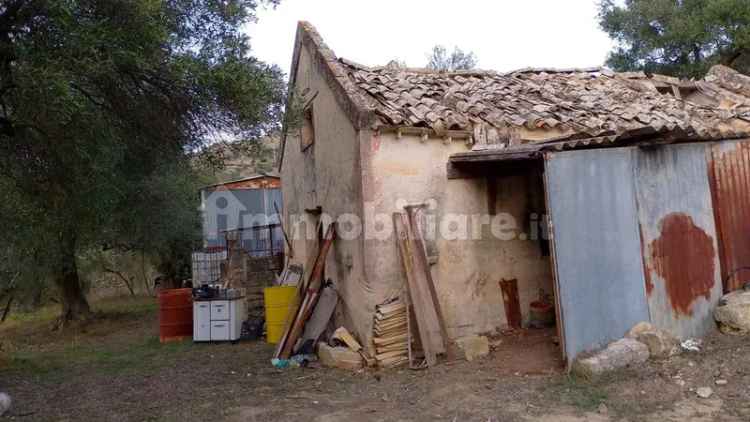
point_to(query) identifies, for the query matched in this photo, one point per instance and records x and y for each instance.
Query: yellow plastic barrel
(278, 303)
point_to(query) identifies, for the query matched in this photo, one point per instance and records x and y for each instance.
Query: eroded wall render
(326, 175)
(411, 170)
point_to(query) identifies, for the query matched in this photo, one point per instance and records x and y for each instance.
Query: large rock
(5, 403)
(473, 346)
(661, 344)
(639, 328)
(733, 312)
(619, 354)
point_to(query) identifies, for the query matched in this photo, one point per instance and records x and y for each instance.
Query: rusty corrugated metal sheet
(591, 201)
(262, 182)
(730, 187)
(678, 236)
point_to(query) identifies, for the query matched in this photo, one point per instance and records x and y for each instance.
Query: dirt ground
(114, 369)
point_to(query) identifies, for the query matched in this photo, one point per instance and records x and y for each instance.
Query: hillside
(240, 159)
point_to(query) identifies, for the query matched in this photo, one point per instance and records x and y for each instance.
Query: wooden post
(511, 302)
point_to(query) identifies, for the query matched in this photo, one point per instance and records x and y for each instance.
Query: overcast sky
(504, 34)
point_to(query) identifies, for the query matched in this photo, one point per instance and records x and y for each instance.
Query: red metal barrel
(175, 314)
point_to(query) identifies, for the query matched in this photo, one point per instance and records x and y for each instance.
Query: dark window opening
(307, 131)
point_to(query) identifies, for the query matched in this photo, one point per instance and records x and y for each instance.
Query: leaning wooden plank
(511, 302)
(297, 303)
(313, 289)
(422, 268)
(429, 331)
(409, 342)
(321, 315)
(291, 317)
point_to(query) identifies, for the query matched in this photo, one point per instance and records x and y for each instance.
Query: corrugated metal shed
(240, 204)
(730, 186)
(678, 237)
(591, 201)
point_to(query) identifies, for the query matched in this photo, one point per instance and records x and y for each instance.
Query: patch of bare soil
(527, 352)
(117, 371)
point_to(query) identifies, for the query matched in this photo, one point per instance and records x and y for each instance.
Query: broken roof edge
(244, 179)
(324, 60)
(532, 152)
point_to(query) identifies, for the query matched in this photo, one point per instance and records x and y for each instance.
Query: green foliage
(101, 104)
(681, 38)
(439, 59)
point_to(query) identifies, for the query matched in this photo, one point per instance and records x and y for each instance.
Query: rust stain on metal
(649, 283)
(683, 256)
(646, 271)
(729, 172)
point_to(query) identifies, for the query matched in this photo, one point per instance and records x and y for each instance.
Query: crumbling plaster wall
(326, 175)
(467, 272)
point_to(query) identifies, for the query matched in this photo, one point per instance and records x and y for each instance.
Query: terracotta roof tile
(587, 102)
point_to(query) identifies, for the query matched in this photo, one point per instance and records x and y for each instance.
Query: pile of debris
(399, 336)
(310, 316)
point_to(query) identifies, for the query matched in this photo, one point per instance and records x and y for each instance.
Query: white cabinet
(201, 321)
(218, 320)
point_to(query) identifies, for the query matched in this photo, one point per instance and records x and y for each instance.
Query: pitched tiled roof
(579, 103)
(539, 105)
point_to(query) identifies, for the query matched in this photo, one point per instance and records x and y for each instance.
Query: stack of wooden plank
(391, 334)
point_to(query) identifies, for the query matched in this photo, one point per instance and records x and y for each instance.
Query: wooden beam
(426, 310)
(420, 251)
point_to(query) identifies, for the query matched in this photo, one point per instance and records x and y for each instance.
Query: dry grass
(115, 369)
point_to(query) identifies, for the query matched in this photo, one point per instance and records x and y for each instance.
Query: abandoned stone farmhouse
(623, 197)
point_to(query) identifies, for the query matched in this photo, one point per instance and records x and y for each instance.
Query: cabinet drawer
(219, 330)
(220, 310)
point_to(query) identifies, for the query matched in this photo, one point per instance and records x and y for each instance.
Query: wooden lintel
(494, 156)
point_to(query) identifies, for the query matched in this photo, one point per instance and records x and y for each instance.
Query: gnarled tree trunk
(75, 307)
